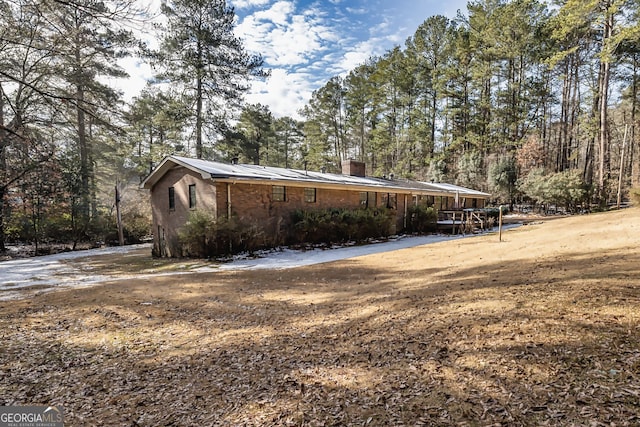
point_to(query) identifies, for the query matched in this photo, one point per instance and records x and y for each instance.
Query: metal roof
(256, 173)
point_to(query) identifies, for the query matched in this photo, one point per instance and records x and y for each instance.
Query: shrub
(339, 225)
(565, 188)
(204, 236)
(634, 195)
(136, 226)
(198, 236)
(423, 219)
(59, 227)
(503, 176)
(494, 213)
(18, 227)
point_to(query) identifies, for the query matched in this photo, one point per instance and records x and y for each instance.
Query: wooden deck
(462, 221)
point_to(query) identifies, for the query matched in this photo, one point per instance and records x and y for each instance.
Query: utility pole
(119, 217)
(500, 225)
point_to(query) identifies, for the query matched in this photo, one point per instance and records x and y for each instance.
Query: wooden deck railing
(462, 220)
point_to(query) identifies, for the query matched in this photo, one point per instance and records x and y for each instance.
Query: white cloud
(285, 93)
(254, 35)
(358, 55)
(357, 11)
(299, 46)
(139, 73)
(277, 14)
(246, 4)
(283, 37)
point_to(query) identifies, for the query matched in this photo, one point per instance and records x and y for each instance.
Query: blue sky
(304, 43)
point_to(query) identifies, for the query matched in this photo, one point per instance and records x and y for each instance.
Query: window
(278, 193)
(172, 199)
(391, 200)
(192, 196)
(372, 200)
(368, 199)
(310, 195)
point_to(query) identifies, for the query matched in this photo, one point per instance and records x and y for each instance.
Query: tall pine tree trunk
(634, 152)
(85, 180)
(434, 106)
(362, 138)
(563, 135)
(604, 157)
(83, 140)
(3, 171)
(589, 158)
(199, 97)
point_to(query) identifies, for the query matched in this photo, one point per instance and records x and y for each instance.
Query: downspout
(229, 214)
(228, 201)
(406, 212)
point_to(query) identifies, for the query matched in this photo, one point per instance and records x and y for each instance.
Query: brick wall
(251, 205)
(167, 222)
(353, 168)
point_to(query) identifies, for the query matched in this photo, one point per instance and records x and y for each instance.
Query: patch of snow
(48, 271)
(20, 278)
(291, 258)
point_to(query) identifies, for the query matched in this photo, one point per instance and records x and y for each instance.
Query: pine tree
(199, 51)
(432, 45)
(289, 138)
(87, 38)
(326, 112)
(358, 100)
(27, 109)
(256, 127)
(156, 124)
(608, 23)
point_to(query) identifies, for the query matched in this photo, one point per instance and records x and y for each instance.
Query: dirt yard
(541, 329)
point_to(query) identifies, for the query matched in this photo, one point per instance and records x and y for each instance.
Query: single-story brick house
(267, 196)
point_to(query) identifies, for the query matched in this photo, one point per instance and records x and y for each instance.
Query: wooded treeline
(526, 100)
(68, 142)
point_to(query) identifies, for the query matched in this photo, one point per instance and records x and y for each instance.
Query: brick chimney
(353, 168)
